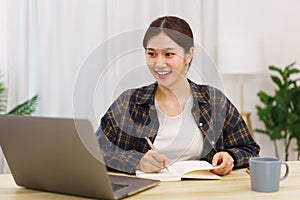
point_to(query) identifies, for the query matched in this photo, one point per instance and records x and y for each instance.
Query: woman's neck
(173, 97)
(180, 89)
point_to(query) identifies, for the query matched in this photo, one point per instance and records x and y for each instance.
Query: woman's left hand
(225, 162)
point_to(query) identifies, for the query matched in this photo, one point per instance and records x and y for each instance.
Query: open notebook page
(192, 169)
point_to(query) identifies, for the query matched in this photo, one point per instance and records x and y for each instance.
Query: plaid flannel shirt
(133, 116)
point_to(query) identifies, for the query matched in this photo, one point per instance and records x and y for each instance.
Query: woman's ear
(189, 55)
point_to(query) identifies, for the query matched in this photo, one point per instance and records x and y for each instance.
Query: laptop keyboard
(117, 186)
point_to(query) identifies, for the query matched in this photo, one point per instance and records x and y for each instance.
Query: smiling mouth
(163, 73)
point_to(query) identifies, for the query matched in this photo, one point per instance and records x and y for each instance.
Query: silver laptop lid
(58, 155)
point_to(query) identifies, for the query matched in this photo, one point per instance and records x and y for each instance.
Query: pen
(152, 147)
(248, 170)
(150, 143)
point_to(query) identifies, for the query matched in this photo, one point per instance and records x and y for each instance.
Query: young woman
(183, 120)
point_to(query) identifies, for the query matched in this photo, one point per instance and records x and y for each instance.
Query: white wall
(277, 24)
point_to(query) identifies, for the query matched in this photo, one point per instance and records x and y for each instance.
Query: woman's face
(166, 59)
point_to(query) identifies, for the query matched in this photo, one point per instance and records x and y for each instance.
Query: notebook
(63, 156)
(190, 169)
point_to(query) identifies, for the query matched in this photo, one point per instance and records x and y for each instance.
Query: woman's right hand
(153, 162)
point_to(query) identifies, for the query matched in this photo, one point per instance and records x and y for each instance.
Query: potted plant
(280, 112)
(25, 108)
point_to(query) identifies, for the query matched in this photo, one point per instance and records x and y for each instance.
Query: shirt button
(213, 142)
(200, 124)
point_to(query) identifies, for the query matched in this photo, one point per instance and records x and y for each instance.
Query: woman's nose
(160, 62)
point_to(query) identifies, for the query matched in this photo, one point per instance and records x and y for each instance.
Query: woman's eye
(169, 54)
(150, 54)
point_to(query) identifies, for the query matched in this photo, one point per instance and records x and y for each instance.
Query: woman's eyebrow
(165, 49)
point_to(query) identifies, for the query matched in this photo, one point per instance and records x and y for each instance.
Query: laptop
(63, 156)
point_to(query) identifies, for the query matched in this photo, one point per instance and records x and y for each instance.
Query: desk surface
(236, 185)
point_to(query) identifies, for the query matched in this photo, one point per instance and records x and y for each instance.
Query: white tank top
(179, 137)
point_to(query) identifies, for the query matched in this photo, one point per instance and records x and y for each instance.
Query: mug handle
(286, 171)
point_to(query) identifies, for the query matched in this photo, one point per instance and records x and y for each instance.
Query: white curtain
(79, 55)
(3, 63)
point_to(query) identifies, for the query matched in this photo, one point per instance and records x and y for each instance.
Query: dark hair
(175, 28)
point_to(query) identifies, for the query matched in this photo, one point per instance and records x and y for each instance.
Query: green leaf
(283, 98)
(2, 90)
(279, 115)
(293, 118)
(295, 129)
(276, 134)
(290, 65)
(292, 71)
(261, 131)
(262, 112)
(295, 100)
(277, 81)
(264, 97)
(26, 108)
(276, 69)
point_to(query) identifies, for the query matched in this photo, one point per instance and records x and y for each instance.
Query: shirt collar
(146, 95)
(200, 92)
